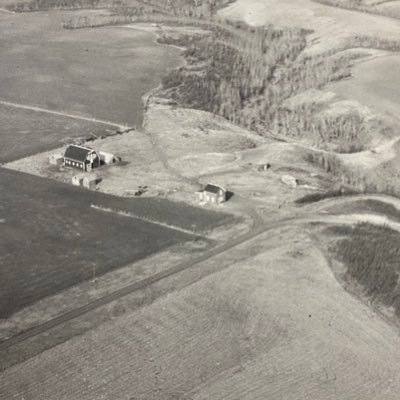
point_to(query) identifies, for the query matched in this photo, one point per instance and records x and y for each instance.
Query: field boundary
(152, 221)
(63, 114)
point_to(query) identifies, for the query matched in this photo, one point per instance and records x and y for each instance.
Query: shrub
(315, 197)
(371, 255)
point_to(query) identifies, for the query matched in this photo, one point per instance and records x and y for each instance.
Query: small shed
(83, 158)
(289, 181)
(77, 180)
(56, 159)
(107, 158)
(90, 182)
(212, 194)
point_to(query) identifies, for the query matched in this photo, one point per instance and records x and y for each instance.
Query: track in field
(133, 287)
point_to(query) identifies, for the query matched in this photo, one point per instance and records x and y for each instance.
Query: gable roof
(77, 153)
(213, 188)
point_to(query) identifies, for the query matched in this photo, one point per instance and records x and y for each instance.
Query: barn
(83, 158)
(212, 194)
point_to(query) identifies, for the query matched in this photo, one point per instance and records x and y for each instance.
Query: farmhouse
(212, 194)
(83, 158)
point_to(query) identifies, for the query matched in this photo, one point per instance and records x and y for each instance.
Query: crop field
(108, 69)
(25, 132)
(51, 238)
(275, 325)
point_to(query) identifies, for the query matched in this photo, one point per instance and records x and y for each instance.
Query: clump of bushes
(318, 196)
(91, 21)
(371, 255)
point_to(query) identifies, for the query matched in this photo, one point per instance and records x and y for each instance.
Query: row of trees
(40, 5)
(92, 21)
(181, 8)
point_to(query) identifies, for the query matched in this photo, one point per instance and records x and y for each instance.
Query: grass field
(371, 87)
(51, 239)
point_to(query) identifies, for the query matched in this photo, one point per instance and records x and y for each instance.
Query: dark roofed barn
(80, 157)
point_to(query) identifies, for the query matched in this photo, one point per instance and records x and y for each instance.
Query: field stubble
(267, 333)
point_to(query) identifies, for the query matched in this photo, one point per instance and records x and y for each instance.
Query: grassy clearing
(371, 255)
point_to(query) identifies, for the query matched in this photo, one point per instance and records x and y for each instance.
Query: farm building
(77, 180)
(90, 182)
(83, 158)
(212, 194)
(56, 159)
(107, 158)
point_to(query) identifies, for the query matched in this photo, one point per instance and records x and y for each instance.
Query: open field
(333, 27)
(25, 132)
(375, 89)
(66, 241)
(108, 71)
(252, 331)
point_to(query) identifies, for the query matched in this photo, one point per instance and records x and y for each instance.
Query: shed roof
(213, 188)
(77, 153)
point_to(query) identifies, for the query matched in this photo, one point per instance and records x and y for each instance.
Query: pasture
(51, 238)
